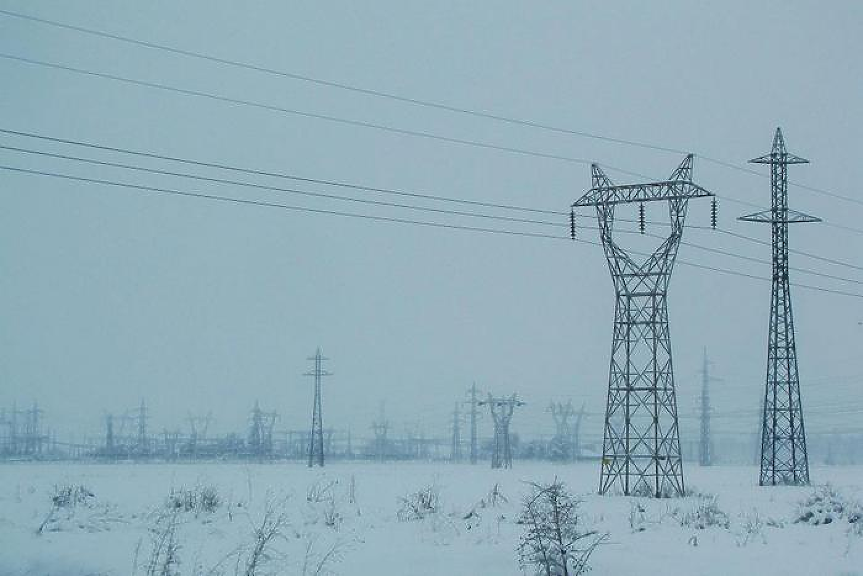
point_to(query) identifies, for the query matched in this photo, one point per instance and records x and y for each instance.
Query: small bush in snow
(637, 516)
(751, 529)
(71, 496)
(419, 504)
(826, 505)
(200, 500)
(553, 543)
(704, 514)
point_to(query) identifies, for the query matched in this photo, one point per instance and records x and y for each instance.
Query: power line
(344, 184)
(333, 84)
(301, 113)
(405, 99)
(382, 203)
(229, 199)
(283, 175)
(280, 189)
(351, 122)
(266, 204)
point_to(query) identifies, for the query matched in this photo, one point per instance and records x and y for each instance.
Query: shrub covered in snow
(200, 500)
(75, 508)
(554, 544)
(702, 514)
(69, 496)
(826, 505)
(419, 504)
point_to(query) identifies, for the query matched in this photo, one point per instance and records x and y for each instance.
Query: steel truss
(783, 437)
(641, 447)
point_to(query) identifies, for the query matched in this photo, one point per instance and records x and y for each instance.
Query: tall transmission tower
(561, 444)
(316, 443)
(143, 443)
(641, 446)
(705, 445)
(380, 427)
(455, 450)
(474, 413)
(501, 412)
(576, 433)
(783, 437)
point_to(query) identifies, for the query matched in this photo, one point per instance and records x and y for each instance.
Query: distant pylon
(705, 451)
(455, 451)
(380, 427)
(641, 443)
(474, 413)
(561, 445)
(501, 412)
(783, 438)
(316, 443)
(143, 443)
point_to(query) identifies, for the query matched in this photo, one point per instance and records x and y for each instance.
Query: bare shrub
(704, 514)
(317, 562)
(265, 533)
(751, 529)
(164, 557)
(553, 542)
(419, 504)
(200, 500)
(66, 499)
(71, 496)
(322, 490)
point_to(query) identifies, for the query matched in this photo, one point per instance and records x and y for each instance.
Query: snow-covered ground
(113, 532)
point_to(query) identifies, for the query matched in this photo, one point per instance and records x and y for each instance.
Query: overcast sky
(110, 295)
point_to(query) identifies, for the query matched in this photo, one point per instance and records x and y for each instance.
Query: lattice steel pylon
(783, 437)
(501, 412)
(641, 446)
(316, 440)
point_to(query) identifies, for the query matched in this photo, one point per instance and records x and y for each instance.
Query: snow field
(733, 527)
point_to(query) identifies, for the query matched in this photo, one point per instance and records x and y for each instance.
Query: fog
(111, 295)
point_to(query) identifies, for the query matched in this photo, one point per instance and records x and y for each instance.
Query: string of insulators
(572, 224)
(641, 217)
(714, 213)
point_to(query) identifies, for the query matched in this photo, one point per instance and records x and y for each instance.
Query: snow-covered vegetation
(419, 519)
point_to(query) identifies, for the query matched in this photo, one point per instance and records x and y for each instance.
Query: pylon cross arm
(654, 191)
(787, 216)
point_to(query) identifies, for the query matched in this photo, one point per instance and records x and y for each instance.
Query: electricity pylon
(641, 447)
(501, 412)
(474, 413)
(705, 451)
(316, 440)
(561, 445)
(380, 427)
(455, 450)
(783, 437)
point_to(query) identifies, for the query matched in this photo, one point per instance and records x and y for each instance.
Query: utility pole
(502, 409)
(455, 452)
(316, 444)
(641, 445)
(783, 438)
(705, 453)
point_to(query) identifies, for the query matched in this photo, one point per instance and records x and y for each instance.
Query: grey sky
(109, 295)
